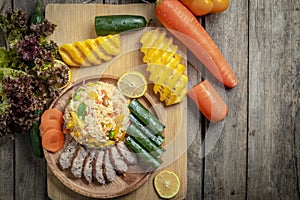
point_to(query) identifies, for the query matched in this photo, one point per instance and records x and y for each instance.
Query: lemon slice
(132, 84)
(59, 63)
(166, 184)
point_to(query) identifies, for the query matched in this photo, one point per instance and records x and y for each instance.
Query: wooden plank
(195, 136)
(196, 125)
(6, 143)
(29, 171)
(4, 6)
(226, 141)
(297, 146)
(6, 168)
(274, 31)
(129, 58)
(26, 6)
(120, 1)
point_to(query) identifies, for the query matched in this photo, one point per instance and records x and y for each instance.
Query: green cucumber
(143, 140)
(157, 139)
(151, 160)
(35, 138)
(146, 117)
(113, 24)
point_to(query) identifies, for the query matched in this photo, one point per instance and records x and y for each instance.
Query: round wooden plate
(122, 185)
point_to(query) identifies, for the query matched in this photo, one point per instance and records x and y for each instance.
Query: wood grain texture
(195, 132)
(6, 143)
(6, 168)
(274, 32)
(28, 166)
(4, 6)
(226, 151)
(82, 17)
(297, 146)
(195, 135)
(256, 160)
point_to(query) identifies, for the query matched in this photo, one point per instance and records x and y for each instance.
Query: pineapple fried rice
(97, 114)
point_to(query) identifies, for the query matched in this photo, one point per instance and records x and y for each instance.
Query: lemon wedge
(132, 84)
(166, 184)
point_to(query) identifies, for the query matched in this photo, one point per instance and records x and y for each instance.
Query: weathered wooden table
(255, 152)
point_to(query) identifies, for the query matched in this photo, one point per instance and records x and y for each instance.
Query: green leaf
(8, 58)
(35, 139)
(81, 110)
(76, 96)
(3, 106)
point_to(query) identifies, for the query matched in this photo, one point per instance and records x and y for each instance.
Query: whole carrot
(185, 26)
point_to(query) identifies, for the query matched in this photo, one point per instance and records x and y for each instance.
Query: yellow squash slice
(91, 51)
(164, 64)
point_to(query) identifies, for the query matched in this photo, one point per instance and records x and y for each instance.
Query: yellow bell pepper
(203, 7)
(75, 121)
(76, 133)
(93, 95)
(109, 143)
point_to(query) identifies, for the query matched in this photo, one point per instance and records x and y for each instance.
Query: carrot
(51, 119)
(185, 26)
(66, 131)
(208, 101)
(48, 125)
(52, 114)
(53, 140)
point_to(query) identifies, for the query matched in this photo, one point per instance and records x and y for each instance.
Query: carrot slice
(52, 114)
(48, 125)
(53, 140)
(185, 26)
(208, 101)
(51, 119)
(66, 131)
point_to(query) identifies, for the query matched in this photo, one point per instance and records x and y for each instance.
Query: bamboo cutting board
(75, 22)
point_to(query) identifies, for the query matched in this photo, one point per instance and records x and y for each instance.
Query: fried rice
(93, 111)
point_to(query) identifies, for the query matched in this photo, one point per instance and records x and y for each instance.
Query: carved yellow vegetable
(91, 51)
(164, 64)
